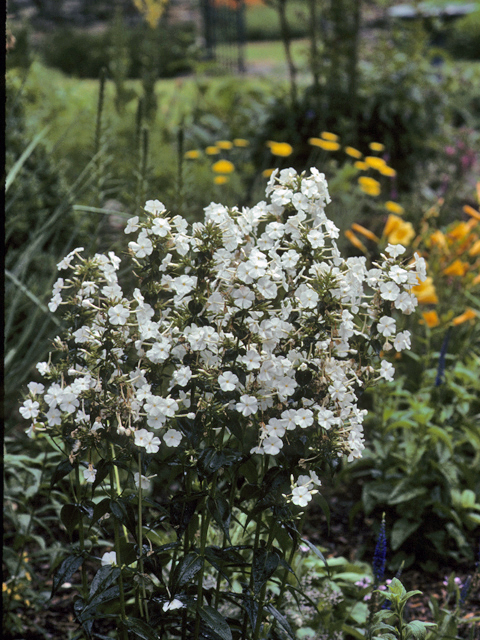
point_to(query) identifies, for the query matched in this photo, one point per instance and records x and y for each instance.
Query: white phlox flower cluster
(250, 322)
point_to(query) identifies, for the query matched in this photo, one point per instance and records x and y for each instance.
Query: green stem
(143, 598)
(116, 487)
(82, 537)
(203, 540)
(263, 591)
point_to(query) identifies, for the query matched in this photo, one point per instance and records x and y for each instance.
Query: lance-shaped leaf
(65, 571)
(185, 570)
(282, 621)
(123, 511)
(70, 515)
(181, 512)
(264, 566)
(221, 513)
(141, 629)
(215, 621)
(61, 470)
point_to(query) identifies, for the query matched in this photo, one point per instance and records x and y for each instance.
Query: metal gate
(224, 33)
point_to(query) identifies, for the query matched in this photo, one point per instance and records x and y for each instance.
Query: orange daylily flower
(471, 211)
(394, 207)
(365, 232)
(368, 185)
(438, 238)
(398, 231)
(460, 230)
(457, 268)
(431, 319)
(355, 241)
(474, 249)
(425, 292)
(468, 314)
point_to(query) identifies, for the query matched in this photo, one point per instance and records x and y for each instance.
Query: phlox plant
(211, 395)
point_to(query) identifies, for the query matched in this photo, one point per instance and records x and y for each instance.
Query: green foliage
(389, 624)
(326, 596)
(83, 54)
(420, 465)
(463, 40)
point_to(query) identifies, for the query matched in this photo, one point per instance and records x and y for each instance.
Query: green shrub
(83, 54)
(464, 37)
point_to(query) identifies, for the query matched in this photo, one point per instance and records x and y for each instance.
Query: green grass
(262, 22)
(273, 52)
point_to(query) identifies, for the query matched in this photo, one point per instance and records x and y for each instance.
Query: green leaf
(19, 285)
(317, 552)
(468, 499)
(441, 434)
(418, 629)
(401, 530)
(103, 579)
(264, 566)
(185, 570)
(100, 509)
(211, 460)
(404, 492)
(220, 511)
(71, 515)
(351, 631)
(66, 570)
(61, 470)
(12, 174)
(215, 621)
(281, 619)
(123, 511)
(181, 512)
(103, 469)
(141, 629)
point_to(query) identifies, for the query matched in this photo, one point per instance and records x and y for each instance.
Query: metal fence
(224, 33)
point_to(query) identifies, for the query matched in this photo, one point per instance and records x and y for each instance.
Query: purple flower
(380, 555)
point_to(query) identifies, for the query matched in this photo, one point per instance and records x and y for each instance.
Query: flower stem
(143, 598)
(82, 537)
(116, 487)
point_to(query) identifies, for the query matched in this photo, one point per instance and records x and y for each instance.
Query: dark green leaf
(282, 621)
(317, 552)
(181, 512)
(216, 622)
(102, 580)
(123, 511)
(264, 565)
(61, 470)
(70, 515)
(100, 510)
(397, 496)
(66, 570)
(220, 511)
(103, 469)
(141, 629)
(187, 569)
(418, 629)
(401, 530)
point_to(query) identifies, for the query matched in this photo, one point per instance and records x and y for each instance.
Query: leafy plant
(227, 359)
